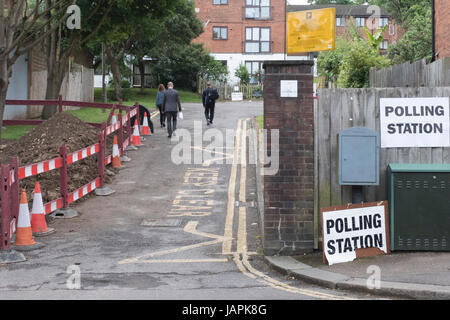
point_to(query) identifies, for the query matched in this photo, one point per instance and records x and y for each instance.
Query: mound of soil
(43, 143)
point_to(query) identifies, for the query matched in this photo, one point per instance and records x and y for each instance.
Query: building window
(217, 2)
(360, 22)
(257, 9)
(392, 29)
(340, 21)
(383, 22)
(257, 40)
(220, 33)
(384, 45)
(254, 67)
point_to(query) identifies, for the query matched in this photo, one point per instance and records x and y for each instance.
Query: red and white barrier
(37, 168)
(84, 153)
(84, 190)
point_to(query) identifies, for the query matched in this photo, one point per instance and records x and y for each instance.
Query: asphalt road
(177, 231)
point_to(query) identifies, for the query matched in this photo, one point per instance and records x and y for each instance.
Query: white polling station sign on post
(414, 122)
(354, 231)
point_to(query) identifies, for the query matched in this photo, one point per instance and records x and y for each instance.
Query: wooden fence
(415, 74)
(340, 109)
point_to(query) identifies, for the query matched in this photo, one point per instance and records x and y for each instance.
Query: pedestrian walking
(209, 97)
(159, 102)
(171, 105)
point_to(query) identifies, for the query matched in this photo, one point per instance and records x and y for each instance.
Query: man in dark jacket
(142, 111)
(209, 97)
(171, 105)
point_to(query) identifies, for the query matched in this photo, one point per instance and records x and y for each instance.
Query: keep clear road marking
(241, 256)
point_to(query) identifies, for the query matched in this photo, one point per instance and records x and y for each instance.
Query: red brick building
(245, 32)
(250, 32)
(441, 26)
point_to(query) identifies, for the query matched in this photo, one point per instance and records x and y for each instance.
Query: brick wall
(232, 16)
(442, 35)
(289, 195)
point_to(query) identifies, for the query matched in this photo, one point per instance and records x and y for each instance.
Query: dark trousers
(171, 117)
(209, 113)
(162, 116)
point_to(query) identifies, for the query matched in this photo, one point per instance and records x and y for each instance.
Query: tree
(176, 58)
(375, 39)
(356, 64)
(121, 29)
(61, 44)
(242, 74)
(398, 9)
(23, 26)
(417, 42)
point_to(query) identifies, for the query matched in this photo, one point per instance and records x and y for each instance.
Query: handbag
(180, 115)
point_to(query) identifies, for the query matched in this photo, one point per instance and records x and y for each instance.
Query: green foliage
(398, 9)
(349, 64)
(417, 42)
(356, 65)
(375, 39)
(214, 71)
(242, 74)
(329, 62)
(126, 95)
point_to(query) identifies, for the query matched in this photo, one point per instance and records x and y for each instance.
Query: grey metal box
(359, 157)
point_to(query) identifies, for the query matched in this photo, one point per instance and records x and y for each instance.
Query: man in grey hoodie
(171, 105)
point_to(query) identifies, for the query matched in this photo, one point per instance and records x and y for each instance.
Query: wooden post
(63, 178)
(60, 104)
(129, 125)
(15, 192)
(101, 156)
(120, 138)
(6, 213)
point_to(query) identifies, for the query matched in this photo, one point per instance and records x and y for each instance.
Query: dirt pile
(43, 143)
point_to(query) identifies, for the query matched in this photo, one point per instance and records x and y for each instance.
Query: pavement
(409, 275)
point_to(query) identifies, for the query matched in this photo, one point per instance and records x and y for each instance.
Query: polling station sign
(354, 231)
(414, 122)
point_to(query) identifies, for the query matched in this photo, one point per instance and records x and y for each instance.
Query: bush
(127, 95)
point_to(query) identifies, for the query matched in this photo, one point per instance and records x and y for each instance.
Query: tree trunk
(54, 83)
(115, 69)
(3, 89)
(142, 73)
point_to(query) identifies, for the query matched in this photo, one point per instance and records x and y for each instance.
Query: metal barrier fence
(11, 173)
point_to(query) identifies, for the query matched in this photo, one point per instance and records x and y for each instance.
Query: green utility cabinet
(419, 206)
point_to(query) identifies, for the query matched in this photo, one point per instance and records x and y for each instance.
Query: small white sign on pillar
(288, 88)
(237, 96)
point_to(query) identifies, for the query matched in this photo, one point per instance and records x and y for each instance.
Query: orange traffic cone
(24, 234)
(145, 127)
(38, 224)
(115, 155)
(114, 119)
(136, 139)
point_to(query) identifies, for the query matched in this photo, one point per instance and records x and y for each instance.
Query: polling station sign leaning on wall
(354, 231)
(414, 122)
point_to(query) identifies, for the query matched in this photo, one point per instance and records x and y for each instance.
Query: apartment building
(441, 25)
(246, 32)
(250, 32)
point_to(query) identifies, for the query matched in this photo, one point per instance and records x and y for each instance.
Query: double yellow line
(240, 256)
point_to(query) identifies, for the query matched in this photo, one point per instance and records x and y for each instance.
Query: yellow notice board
(312, 30)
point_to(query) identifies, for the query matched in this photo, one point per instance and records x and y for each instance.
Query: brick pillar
(289, 195)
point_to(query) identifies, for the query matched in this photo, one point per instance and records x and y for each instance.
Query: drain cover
(162, 222)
